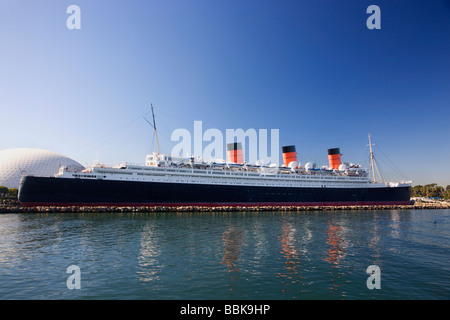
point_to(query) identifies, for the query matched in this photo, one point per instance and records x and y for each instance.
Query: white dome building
(16, 162)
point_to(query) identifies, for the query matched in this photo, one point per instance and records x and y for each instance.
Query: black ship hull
(49, 191)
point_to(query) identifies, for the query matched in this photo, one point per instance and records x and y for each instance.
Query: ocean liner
(166, 181)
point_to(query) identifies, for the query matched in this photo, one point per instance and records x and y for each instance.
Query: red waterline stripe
(234, 204)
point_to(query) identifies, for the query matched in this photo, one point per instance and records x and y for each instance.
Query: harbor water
(226, 255)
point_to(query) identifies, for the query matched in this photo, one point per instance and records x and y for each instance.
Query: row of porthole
(236, 183)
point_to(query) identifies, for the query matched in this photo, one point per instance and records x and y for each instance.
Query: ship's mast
(374, 165)
(154, 127)
(371, 159)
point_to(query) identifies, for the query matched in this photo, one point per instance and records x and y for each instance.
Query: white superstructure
(165, 169)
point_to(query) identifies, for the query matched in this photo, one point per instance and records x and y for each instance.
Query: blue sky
(311, 69)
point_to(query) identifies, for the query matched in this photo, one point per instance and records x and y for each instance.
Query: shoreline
(12, 206)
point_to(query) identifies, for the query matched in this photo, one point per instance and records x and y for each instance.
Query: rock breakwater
(15, 207)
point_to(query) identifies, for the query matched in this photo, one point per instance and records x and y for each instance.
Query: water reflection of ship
(374, 242)
(149, 253)
(336, 252)
(290, 253)
(295, 241)
(336, 255)
(232, 241)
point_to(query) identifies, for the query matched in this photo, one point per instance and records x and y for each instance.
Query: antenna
(374, 164)
(154, 127)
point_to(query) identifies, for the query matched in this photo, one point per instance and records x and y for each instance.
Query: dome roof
(16, 162)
